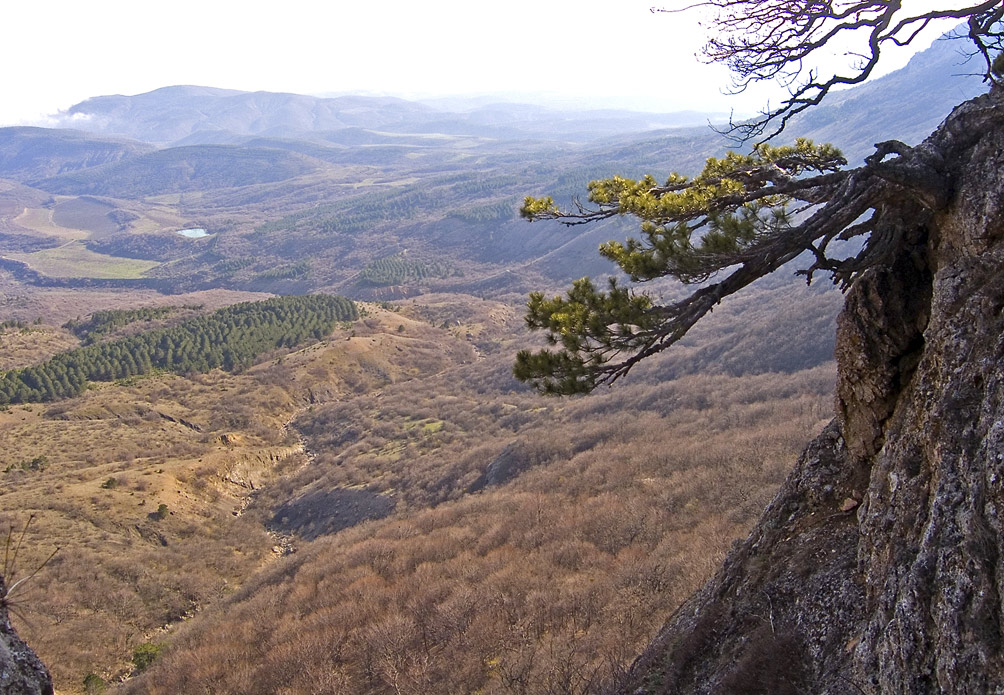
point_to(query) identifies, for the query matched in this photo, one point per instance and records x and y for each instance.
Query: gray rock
(879, 566)
(21, 672)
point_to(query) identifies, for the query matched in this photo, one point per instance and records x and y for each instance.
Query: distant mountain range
(193, 115)
(341, 182)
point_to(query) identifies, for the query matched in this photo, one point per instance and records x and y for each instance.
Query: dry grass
(21, 347)
(74, 260)
(40, 220)
(548, 582)
(56, 306)
(198, 445)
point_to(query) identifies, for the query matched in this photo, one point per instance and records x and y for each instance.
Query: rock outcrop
(21, 672)
(879, 566)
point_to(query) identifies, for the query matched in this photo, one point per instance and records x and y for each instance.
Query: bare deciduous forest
(546, 583)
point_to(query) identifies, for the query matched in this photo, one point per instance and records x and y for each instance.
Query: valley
(400, 427)
(377, 506)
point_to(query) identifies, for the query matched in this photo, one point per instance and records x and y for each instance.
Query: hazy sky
(56, 53)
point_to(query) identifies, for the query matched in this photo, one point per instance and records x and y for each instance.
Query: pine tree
(746, 215)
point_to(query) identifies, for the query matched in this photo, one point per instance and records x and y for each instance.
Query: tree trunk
(877, 568)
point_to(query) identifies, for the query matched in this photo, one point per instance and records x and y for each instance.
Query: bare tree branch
(776, 40)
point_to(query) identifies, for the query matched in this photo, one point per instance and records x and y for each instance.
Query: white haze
(576, 53)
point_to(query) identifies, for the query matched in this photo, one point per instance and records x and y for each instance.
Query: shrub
(145, 654)
(94, 684)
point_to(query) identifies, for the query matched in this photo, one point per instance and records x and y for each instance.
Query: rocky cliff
(878, 567)
(21, 672)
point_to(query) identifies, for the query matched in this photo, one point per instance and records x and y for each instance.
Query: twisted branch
(775, 40)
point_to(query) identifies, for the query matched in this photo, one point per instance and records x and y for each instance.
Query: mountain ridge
(188, 113)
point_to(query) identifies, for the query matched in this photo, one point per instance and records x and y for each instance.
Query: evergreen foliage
(102, 323)
(364, 212)
(35, 465)
(230, 338)
(286, 272)
(500, 211)
(692, 229)
(232, 265)
(145, 654)
(399, 269)
(94, 684)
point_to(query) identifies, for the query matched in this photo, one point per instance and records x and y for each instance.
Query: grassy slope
(32, 344)
(197, 445)
(41, 221)
(426, 399)
(74, 260)
(558, 576)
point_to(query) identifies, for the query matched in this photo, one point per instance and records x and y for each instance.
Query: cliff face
(878, 567)
(21, 672)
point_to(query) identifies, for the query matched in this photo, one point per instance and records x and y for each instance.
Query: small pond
(194, 233)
